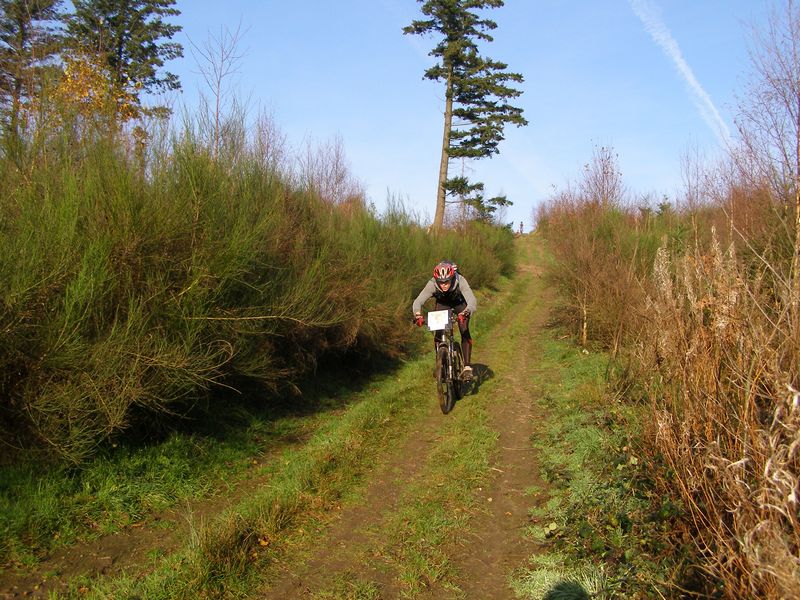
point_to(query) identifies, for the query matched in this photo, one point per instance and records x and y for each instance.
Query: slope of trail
(485, 555)
(499, 546)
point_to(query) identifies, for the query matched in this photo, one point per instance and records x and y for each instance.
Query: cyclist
(451, 290)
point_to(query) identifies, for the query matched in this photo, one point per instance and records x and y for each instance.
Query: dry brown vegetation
(700, 303)
(726, 415)
(705, 324)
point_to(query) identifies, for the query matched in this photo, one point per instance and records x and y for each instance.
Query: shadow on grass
(566, 590)
(480, 374)
(229, 410)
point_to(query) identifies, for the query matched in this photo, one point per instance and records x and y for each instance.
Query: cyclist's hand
(462, 316)
(418, 320)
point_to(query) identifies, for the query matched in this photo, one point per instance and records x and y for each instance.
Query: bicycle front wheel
(444, 383)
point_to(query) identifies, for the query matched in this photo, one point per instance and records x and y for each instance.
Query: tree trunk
(438, 219)
(584, 322)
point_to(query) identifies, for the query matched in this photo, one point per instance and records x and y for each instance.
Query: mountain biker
(451, 290)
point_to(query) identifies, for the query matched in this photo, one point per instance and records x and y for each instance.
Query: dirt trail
(349, 545)
(495, 544)
(499, 546)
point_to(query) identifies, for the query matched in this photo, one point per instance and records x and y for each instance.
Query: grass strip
(599, 529)
(437, 508)
(437, 512)
(40, 512)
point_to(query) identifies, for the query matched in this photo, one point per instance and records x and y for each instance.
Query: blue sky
(652, 79)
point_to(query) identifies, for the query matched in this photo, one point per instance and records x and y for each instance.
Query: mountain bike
(449, 359)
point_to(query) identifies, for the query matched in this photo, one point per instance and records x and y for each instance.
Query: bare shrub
(769, 127)
(602, 179)
(594, 239)
(269, 146)
(325, 171)
(218, 59)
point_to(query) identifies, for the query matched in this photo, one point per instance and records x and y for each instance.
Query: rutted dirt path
(499, 546)
(495, 545)
(353, 541)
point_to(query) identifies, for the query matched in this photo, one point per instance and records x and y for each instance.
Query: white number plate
(437, 320)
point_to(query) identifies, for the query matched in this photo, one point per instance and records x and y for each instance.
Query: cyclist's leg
(466, 349)
(466, 340)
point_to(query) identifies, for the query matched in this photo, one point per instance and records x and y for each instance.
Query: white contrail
(648, 14)
(401, 14)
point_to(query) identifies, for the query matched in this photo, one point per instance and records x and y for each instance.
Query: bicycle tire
(444, 385)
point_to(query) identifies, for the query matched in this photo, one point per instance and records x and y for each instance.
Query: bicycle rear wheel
(444, 385)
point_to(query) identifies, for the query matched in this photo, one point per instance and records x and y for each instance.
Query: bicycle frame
(449, 360)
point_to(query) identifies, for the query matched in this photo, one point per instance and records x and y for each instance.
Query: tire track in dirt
(349, 544)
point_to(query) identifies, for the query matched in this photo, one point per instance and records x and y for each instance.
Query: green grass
(348, 587)
(597, 526)
(303, 485)
(128, 484)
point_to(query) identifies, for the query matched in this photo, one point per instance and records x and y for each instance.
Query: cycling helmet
(443, 273)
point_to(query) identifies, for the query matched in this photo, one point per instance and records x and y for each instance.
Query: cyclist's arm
(472, 302)
(425, 295)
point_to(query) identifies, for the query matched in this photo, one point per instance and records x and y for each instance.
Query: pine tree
(127, 38)
(29, 39)
(477, 90)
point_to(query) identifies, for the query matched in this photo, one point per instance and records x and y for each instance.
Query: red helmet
(444, 272)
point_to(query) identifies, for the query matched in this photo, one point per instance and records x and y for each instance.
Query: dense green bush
(133, 284)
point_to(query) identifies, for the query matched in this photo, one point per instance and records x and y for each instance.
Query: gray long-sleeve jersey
(459, 290)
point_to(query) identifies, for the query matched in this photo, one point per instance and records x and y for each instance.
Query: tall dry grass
(710, 342)
(718, 349)
(711, 326)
